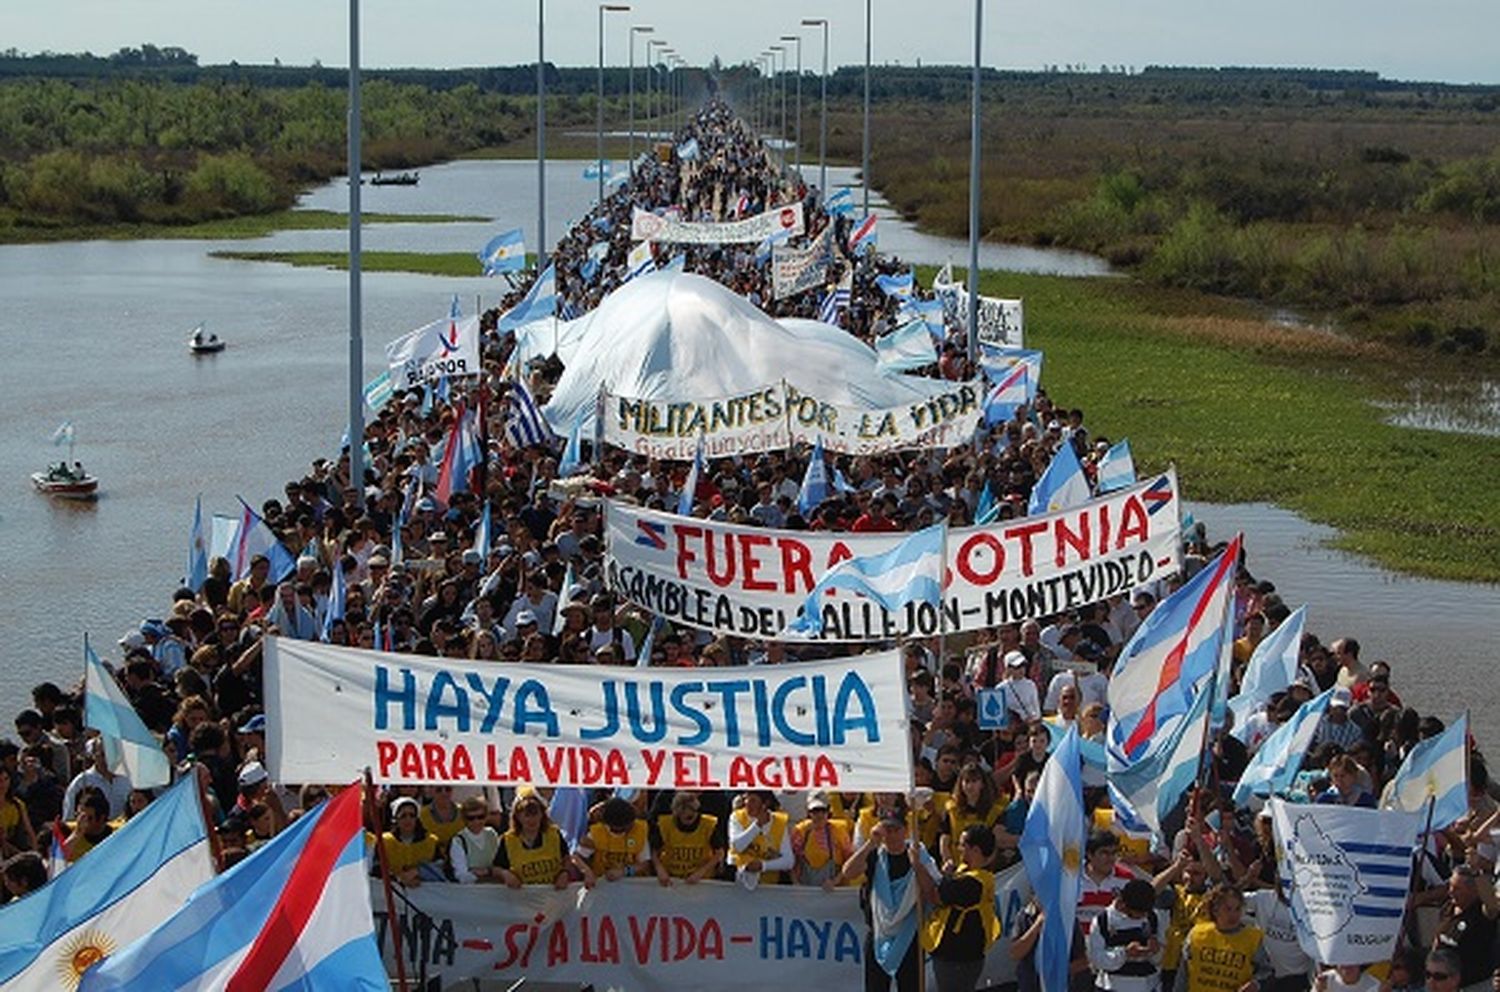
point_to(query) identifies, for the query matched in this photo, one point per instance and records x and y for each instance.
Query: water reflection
(1462, 407)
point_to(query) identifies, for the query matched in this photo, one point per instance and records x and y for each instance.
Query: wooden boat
(399, 179)
(200, 345)
(66, 482)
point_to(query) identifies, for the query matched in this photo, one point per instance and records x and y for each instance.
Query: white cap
(1340, 697)
(1015, 659)
(253, 773)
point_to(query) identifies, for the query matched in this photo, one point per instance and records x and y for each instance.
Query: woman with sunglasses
(472, 852)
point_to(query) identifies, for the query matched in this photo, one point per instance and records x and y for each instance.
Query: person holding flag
(890, 861)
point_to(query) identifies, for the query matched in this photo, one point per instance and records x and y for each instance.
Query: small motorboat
(66, 481)
(201, 344)
(399, 179)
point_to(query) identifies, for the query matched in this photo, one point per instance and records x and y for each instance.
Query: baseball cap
(1340, 697)
(255, 725)
(525, 617)
(253, 773)
(818, 800)
(1015, 659)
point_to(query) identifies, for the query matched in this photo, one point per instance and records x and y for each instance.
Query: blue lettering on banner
(795, 938)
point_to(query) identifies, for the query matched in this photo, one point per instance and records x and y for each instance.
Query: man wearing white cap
(116, 788)
(1021, 697)
(1336, 727)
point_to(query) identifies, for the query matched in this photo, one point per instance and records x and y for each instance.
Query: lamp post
(604, 8)
(780, 51)
(669, 56)
(974, 190)
(541, 136)
(864, 167)
(356, 333)
(766, 58)
(797, 131)
(635, 30)
(813, 22)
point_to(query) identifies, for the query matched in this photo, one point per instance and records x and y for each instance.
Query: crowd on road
(1153, 911)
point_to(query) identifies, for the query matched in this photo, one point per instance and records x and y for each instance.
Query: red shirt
(869, 524)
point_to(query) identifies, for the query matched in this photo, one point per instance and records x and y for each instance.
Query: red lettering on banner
(1063, 538)
(517, 949)
(1024, 533)
(684, 555)
(685, 776)
(436, 757)
(711, 941)
(520, 765)
(615, 772)
(1134, 523)
(557, 945)
(639, 939)
(606, 947)
(966, 559)
(748, 544)
(721, 574)
(462, 767)
(796, 567)
(411, 761)
(839, 552)
(385, 756)
(824, 772)
(552, 762)
(1104, 528)
(654, 759)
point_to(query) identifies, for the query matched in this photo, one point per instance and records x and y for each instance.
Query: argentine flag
(840, 202)
(378, 392)
(140, 874)
(594, 260)
(1062, 486)
(1116, 468)
(900, 285)
(129, 747)
(1276, 764)
(1272, 667)
(504, 253)
(907, 347)
(987, 507)
(197, 569)
(688, 150)
(1052, 844)
(690, 485)
(539, 303)
(815, 485)
(929, 312)
(911, 572)
(572, 453)
(1436, 769)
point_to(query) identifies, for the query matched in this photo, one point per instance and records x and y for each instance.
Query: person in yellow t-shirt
(616, 847)
(1222, 954)
(973, 801)
(760, 840)
(532, 851)
(682, 842)
(442, 816)
(820, 844)
(411, 852)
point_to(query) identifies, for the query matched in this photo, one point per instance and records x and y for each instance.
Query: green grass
(233, 228)
(454, 263)
(1250, 412)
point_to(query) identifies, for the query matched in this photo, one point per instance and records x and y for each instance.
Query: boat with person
(199, 344)
(67, 479)
(396, 179)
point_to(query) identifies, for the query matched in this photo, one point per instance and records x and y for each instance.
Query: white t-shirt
(1366, 983)
(1274, 918)
(1092, 688)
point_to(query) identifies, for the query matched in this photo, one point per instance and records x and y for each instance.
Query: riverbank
(230, 228)
(455, 263)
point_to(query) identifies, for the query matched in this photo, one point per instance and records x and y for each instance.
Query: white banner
(775, 417)
(751, 581)
(781, 221)
(1347, 870)
(332, 712)
(635, 935)
(796, 270)
(442, 348)
(1001, 322)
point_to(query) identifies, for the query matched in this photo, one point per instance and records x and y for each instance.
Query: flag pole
(373, 816)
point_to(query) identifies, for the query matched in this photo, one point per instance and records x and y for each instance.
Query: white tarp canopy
(677, 337)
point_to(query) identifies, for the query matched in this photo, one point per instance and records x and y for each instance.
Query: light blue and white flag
(688, 150)
(648, 643)
(1062, 485)
(689, 492)
(1346, 871)
(482, 539)
(840, 202)
(841, 484)
(894, 907)
(338, 593)
(539, 303)
(639, 261)
(197, 565)
(911, 572)
(222, 531)
(862, 238)
(930, 312)
(504, 253)
(524, 424)
(1272, 668)
(907, 347)
(593, 261)
(996, 362)
(1148, 790)
(564, 597)
(137, 877)
(1014, 389)
(253, 537)
(1116, 468)
(129, 747)
(572, 455)
(1052, 844)
(987, 507)
(677, 263)
(378, 392)
(1279, 759)
(815, 485)
(898, 285)
(1436, 769)
(837, 301)
(595, 168)
(64, 434)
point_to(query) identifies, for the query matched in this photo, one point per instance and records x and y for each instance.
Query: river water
(95, 332)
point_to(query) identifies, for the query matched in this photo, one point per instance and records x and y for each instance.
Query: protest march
(705, 617)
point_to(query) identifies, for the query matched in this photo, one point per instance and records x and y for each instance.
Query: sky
(1439, 40)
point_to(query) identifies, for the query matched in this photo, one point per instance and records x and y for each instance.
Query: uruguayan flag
(128, 745)
(140, 875)
(911, 572)
(1272, 668)
(836, 301)
(504, 253)
(907, 347)
(524, 425)
(1052, 844)
(1346, 871)
(1436, 769)
(840, 202)
(1062, 485)
(639, 261)
(539, 302)
(815, 486)
(1276, 764)
(1116, 468)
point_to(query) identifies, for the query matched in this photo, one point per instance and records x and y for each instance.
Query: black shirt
(967, 943)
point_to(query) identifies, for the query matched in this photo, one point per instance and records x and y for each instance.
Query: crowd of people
(1154, 911)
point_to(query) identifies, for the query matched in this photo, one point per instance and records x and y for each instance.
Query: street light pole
(797, 131)
(635, 30)
(864, 168)
(973, 341)
(541, 136)
(780, 51)
(356, 331)
(599, 95)
(822, 22)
